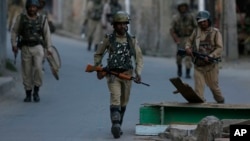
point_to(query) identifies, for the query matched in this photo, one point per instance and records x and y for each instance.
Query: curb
(6, 83)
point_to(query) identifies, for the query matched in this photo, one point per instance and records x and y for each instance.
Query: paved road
(76, 108)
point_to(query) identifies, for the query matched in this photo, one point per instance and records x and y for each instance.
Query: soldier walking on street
(92, 22)
(32, 32)
(182, 27)
(121, 47)
(206, 40)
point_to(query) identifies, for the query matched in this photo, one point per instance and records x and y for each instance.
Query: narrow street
(76, 107)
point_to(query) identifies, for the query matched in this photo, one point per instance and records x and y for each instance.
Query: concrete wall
(3, 32)
(150, 22)
(73, 15)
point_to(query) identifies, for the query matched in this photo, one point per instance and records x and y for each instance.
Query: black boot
(123, 109)
(89, 45)
(35, 94)
(188, 74)
(115, 119)
(28, 96)
(96, 46)
(179, 71)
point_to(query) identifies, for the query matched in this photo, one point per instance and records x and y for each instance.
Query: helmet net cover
(121, 17)
(32, 2)
(202, 16)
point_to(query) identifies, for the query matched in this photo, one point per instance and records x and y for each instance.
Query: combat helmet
(182, 3)
(121, 17)
(32, 2)
(202, 16)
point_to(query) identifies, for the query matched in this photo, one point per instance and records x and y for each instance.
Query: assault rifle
(19, 45)
(91, 68)
(15, 55)
(182, 52)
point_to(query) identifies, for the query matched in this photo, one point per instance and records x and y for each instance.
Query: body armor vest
(206, 48)
(184, 25)
(31, 30)
(120, 55)
(96, 13)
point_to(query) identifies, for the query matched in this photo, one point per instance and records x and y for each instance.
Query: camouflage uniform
(181, 28)
(94, 31)
(35, 36)
(207, 42)
(119, 97)
(120, 49)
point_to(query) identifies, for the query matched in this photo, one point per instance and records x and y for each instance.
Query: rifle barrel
(144, 84)
(182, 52)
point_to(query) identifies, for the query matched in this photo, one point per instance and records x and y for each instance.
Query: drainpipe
(127, 9)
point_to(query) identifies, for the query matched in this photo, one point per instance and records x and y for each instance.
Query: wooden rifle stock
(91, 68)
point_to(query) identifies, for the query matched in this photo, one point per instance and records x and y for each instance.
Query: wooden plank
(186, 91)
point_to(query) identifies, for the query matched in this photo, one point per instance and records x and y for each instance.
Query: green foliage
(10, 66)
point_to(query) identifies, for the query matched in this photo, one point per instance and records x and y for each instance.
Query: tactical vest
(205, 47)
(31, 31)
(184, 25)
(120, 54)
(96, 12)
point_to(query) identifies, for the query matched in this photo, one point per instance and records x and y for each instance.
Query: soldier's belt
(30, 43)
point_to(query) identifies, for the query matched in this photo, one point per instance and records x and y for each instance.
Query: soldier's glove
(137, 78)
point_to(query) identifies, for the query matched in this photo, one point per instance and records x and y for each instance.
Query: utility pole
(230, 30)
(3, 33)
